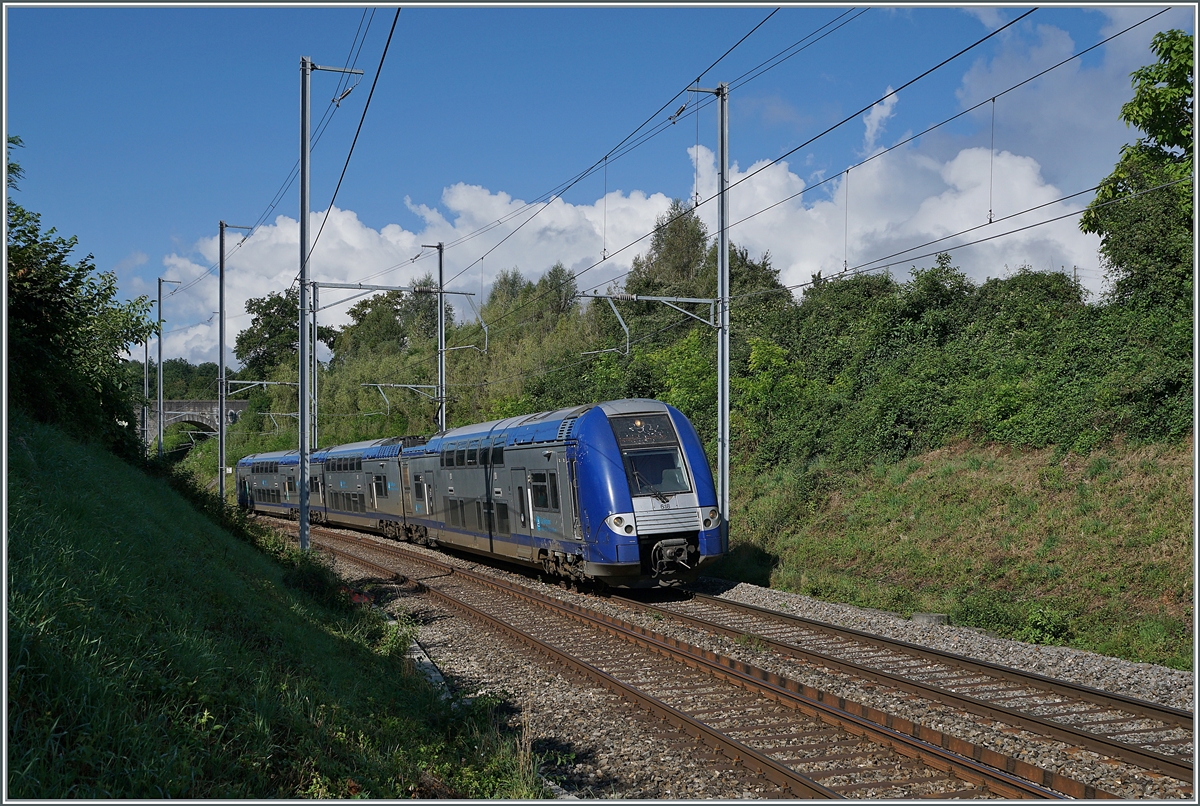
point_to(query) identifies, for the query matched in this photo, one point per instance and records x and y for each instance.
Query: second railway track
(1146, 734)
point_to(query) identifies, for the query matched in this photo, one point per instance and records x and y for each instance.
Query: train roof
(282, 457)
(544, 426)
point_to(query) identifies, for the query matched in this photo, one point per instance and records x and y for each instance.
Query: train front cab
(647, 496)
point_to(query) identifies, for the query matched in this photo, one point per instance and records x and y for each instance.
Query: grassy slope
(151, 654)
(1094, 551)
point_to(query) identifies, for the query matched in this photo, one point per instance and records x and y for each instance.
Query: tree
(68, 333)
(674, 263)
(274, 333)
(558, 288)
(1143, 209)
(391, 322)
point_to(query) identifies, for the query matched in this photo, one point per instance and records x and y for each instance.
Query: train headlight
(622, 524)
(711, 518)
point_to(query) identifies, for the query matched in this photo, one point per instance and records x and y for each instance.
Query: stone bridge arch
(200, 412)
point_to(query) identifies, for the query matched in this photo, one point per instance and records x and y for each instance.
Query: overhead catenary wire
(830, 129)
(872, 265)
(357, 131)
(739, 299)
(909, 139)
(600, 162)
(321, 126)
(1019, 84)
(627, 144)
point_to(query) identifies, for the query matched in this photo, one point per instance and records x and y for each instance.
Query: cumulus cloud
(531, 238)
(896, 211)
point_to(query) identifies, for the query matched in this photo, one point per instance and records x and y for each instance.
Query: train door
(406, 496)
(522, 524)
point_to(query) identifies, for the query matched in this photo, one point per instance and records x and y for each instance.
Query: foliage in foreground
(154, 655)
(67, 331)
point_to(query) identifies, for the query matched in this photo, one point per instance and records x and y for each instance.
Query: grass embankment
(152, 654)
(1090, 551)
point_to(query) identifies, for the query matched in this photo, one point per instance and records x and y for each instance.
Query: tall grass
(152, 654)
(1044, 546)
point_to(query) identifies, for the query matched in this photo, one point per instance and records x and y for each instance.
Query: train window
(381, 487)
(472, 451)
(656, 471)
(358, 465)
(554, 491)
(418, 488)
(291, 484)
(448, 454)
(462, 512)
(498, 451)
(502, 527)
(460, 455)
(540, 488)
(485, 449)
(449, 511)
(477, 513)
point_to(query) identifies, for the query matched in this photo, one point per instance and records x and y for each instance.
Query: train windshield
(650, 450)
(656, 472)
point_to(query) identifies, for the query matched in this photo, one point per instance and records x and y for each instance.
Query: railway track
(1148, 735)
(804, 741)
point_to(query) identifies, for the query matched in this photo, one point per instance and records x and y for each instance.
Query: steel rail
(1176, 767)
(735, 751)
(933, 747)
(1183, 719)
(992, 770)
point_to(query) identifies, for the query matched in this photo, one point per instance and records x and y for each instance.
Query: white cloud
(131, 261)
(875, 119)
(350, 252)
(990, 17)
(898, 204)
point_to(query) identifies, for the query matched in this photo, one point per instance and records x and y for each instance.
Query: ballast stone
(929, 619)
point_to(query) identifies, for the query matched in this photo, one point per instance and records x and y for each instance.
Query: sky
(515, 136)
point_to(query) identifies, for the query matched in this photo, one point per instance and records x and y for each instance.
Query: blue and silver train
(617, 492)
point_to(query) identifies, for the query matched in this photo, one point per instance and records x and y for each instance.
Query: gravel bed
(592, 748)
(1142, 680)
(591, 742)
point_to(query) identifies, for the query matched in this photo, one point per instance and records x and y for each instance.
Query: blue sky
(144, 127)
